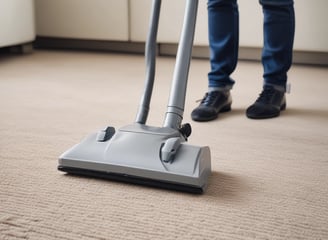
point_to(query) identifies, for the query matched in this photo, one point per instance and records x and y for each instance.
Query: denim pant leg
(279, 28)
(223, 26)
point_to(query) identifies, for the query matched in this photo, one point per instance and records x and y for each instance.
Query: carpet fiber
(269, 178)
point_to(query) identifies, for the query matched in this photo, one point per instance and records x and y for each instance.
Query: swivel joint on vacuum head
(169, 149)
(185, 130)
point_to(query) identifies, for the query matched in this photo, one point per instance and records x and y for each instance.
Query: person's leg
(278, 31)
(223, 27)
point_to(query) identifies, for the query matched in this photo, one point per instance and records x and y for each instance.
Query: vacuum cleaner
(148, 155)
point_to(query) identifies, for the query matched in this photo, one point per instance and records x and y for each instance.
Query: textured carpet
(269, 177)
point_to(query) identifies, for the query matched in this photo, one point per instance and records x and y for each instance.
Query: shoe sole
(282, 108)
(226, 108)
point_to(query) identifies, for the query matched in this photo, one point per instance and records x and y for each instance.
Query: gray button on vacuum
(105, 134)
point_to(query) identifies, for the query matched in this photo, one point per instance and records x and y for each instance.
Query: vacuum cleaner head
(141, 154)
(155, 156)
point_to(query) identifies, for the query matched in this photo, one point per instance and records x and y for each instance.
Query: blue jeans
(278, 35)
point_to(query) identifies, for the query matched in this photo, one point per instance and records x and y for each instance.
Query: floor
(269, 177)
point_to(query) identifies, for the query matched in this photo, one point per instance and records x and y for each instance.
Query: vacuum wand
(176, 103)
(150, 59)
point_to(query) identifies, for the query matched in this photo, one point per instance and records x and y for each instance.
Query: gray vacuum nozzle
(137, 153)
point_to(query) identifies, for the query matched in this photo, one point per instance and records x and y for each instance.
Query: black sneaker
(268, 105)
(211, 105)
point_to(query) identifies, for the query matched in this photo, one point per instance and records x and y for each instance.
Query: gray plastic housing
(135, 150)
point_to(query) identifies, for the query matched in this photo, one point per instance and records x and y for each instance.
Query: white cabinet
(139, 19)
(83, 19)
(172, 19)
(170, 25)
(311, 33)
(16, 22)
(311, 25)
(311, 30)
(127, 20)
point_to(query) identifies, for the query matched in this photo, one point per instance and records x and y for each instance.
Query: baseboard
(245, 53)
(23, 48)
(93, 45)
(252, 53)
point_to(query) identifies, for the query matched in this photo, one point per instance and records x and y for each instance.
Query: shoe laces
(209, 98)
(266, 95)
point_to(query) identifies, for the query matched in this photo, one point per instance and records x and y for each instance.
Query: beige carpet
(269, 177)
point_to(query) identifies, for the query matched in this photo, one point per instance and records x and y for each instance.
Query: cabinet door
(311, 29)
(83, 19)
(311, 33)
(139, 19)
(17, 22)
(170, 24)
(172, 18)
